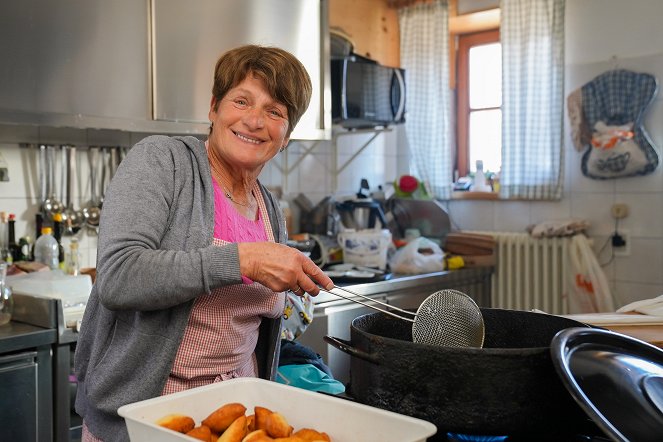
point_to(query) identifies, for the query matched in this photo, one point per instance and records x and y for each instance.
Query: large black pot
(508, 387)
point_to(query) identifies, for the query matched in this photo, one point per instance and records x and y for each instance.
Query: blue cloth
(308, 377)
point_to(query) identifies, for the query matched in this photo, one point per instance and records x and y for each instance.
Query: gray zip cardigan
(157, 224)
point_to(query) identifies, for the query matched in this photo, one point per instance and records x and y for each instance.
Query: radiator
(530, 273)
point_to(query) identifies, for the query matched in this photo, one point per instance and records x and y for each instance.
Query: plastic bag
(589, 291)
(421, 255)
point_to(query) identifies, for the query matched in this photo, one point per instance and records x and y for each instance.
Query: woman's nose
(254, 118)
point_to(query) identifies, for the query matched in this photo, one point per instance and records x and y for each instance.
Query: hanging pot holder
(608, 124)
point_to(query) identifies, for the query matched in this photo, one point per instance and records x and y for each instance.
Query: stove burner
(452, 437)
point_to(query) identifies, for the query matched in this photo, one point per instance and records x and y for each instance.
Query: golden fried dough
(177, 422)
(257, 436)
(251, 422)
(235, 432)
(222, 417)
(277, 426)
(201, 433)
(261, 414)
(311, 435)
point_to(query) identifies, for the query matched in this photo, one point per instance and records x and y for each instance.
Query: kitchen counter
(16, 336)
(644, 327)
(426, 281)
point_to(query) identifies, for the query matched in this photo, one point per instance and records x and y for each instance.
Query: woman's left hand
(280, 268)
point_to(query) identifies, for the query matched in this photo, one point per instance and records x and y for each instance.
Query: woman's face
(249, 125)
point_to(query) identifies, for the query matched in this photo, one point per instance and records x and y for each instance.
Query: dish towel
(653, 307)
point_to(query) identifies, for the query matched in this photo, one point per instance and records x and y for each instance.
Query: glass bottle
(73, 258)
(5, 255)
(6, 299)
(13, 246)
(57, 234)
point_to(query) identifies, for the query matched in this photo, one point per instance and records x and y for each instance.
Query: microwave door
(397, 95)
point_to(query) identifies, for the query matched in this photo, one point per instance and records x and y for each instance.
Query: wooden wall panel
(372, 27)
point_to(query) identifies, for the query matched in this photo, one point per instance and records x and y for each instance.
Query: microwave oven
(366, 94)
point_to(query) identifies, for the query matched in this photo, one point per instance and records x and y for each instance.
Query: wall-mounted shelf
(334, 167)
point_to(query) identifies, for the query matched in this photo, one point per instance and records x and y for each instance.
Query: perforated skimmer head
(449, 318)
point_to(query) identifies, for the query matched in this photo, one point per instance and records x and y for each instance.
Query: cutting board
(644, 327)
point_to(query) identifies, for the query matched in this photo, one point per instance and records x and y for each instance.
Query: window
(479, 94)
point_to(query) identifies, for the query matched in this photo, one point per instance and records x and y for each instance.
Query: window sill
(468, 195)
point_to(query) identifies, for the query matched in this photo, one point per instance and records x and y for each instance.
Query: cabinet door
(74, 58)
(190, 36)
(25, 401)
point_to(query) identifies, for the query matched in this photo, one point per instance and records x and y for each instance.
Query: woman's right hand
(280, 267)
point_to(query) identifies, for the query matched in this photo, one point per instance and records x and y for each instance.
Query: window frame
(464, 43)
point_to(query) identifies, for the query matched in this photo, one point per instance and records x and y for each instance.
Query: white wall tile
(644, 264)
(627, 292)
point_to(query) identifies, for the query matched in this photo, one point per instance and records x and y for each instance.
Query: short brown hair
(284, 75)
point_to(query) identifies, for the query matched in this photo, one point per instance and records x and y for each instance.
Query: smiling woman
(192, 250)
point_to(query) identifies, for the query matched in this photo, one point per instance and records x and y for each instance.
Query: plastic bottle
(47, 249)
(479, 182)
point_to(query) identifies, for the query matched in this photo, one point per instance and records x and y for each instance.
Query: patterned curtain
(424, 30)
(532, 35)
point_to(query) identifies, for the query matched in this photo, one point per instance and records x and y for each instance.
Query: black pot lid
(616, 379)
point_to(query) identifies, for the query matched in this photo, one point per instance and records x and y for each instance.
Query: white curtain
(532, 35)
(424, 33)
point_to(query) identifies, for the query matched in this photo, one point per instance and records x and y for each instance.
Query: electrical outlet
(619, 210)
(624, 239)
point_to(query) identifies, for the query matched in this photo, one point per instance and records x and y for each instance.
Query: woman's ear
(212, 109)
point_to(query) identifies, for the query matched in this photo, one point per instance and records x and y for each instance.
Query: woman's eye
(240, 102)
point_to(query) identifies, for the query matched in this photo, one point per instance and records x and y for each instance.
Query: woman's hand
(280, 268)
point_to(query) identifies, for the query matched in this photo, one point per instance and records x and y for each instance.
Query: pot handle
(346, 347)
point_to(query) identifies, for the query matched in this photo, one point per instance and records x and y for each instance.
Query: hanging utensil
(51, 203)
(91, 211)
(71, 219)
(42, 176)
(447, 318)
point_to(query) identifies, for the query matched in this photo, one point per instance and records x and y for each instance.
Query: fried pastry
(277, 426)
(222, 417)
(310, 435)
(177, 422)
(201, 433)
(235, 432)
(260, 420)
(257, 436)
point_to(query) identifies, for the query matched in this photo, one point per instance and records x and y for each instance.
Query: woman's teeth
(248, 140)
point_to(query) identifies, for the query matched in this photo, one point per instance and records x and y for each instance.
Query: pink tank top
(222, 332)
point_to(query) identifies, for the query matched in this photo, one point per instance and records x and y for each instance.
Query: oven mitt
(606, 118)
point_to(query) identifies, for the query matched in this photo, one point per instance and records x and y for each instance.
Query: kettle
(361, 214)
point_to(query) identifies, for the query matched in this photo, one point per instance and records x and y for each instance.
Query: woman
(191, 253)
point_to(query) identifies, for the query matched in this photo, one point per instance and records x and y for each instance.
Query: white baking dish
(341, 419)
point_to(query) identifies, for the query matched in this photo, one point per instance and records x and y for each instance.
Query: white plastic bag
(421, 255)
(589, 290)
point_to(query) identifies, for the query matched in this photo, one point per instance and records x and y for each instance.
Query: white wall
(602, 35)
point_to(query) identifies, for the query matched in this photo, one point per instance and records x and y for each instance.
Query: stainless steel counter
(333, 315)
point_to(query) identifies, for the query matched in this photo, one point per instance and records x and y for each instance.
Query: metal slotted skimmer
(447, 318)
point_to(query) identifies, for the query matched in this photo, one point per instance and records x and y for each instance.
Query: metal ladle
(446, 318)
(51, 204)
(91, 211)
(71, 218)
